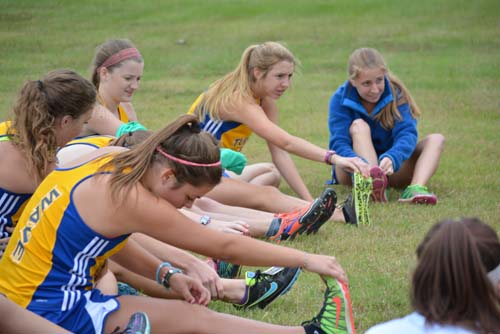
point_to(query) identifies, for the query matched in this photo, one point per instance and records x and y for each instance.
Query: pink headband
(185, 162)
(121, 56)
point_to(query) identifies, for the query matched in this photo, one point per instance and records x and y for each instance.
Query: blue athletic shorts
(88, 315)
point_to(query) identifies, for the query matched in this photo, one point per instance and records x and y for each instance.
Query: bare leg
(265, 198)
(206, 204)
(362, 145)
(258, 221)
(362, 141)
(422, 164)
(234, 289)
(107, 283)
(264, 174)
(19, 320)
(175, 316)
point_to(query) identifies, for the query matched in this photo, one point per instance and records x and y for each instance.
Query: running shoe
(349, 211)
(125, 289)
(361, 190)
(335, 317)
(263, 287)
(418, 194)
(297, 222)
(379, 185)
(224, 269)
(328, 201)
(138, 324)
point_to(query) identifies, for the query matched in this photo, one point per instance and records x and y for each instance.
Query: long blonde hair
(368, 58)
(39, 104)
(182, 139)
(236, 85)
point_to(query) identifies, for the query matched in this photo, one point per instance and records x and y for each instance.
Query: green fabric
(232, 160)
(129, 127)
(4, 138)
(415, 190)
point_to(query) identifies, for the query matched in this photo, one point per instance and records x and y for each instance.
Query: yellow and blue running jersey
(122, 114)
(95, 141)
(11, 204)
(232, 135)
(53, 256)
(4, 128)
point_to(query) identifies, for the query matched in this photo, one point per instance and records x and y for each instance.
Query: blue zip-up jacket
(397, 143)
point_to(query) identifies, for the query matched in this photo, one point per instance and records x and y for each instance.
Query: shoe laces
(127, 330)
(326, 316)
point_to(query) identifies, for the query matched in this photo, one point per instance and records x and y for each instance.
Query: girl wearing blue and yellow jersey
(244, 102)
(116, 72)
(119, 192)
(47, 114)
(373, 116)
(225, 287)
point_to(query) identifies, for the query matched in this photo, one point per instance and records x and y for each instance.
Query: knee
(359, 127)
(273, 174)
(436, 140)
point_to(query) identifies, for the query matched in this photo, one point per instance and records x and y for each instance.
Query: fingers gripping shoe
(328, 201)
(379, 182)
(335, 317)
(138, 324)
(264, 287)
(361, 190)
(225, 269)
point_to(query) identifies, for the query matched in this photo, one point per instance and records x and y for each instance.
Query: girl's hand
(234, 227)
(190, 289)
(206, 274)
(386, 166)
(325, 265)
(352, 165)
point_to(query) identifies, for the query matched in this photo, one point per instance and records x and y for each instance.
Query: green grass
(447, 53)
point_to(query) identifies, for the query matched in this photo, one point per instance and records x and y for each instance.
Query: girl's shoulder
(14, 173)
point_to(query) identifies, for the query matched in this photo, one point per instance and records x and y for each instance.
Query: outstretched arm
(148, 214)
(102, 122)
(284, 162)
(254, 117)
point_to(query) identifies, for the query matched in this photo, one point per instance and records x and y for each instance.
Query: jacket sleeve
(339, 120)
(404, 136)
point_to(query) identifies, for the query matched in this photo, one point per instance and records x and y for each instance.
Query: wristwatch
(166, 279)
(205, 220)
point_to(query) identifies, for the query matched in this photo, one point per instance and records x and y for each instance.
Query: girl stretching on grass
(119, 192)
(47, 114)
(243, 102)
(373, 116)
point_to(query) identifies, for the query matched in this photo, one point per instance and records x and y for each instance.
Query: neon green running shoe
(335, 317)
(361, 191)
(418, 194)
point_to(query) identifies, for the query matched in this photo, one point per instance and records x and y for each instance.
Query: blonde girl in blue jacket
(373, 116)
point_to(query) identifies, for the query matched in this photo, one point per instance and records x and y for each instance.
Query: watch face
(204, 220)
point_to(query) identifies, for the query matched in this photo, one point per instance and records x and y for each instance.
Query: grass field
(446, 51)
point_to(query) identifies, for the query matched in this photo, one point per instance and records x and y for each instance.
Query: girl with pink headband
(116, 72)
(109, 195)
